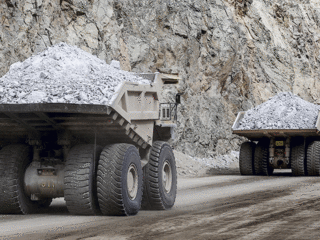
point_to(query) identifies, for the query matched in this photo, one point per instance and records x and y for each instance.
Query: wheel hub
(132, 181)
(167, 176)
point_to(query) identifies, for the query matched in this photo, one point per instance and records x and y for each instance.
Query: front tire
(160, 178)
(119, 180)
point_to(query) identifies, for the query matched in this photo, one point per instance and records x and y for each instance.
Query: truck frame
(100, 158)
(269, 149)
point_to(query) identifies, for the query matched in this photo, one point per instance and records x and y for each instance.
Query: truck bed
(84, 121)
(260, 133)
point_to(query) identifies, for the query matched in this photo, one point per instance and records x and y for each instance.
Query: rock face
(232, 54)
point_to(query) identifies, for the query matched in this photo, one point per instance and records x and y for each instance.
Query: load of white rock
(283, 111)
(63, 74)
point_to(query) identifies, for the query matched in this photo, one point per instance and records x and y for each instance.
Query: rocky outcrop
(232, 54)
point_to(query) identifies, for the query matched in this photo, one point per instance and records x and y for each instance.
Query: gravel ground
(283, 111)
(63, 74)
(217, 207)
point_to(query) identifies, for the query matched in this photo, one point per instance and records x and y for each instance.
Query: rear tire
(14, 160)
(80, 191)
(119, 180)
(160, 178)
(246, 158)
(313, 159)
(261, 158)
(298, 164)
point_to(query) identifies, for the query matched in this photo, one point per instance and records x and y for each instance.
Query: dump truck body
(255, 135)
(130, 118)
(57, 132)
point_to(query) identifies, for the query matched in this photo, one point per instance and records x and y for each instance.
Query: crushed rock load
(63, 74)
(283, 111)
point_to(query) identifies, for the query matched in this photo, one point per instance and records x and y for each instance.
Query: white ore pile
(63, 74)
(283, 111)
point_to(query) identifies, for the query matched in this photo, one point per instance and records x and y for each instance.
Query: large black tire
(261, 158)
(298, 163)
(313, 159)
(80, 191)
(160, 178)
(14, 160)
(119, 180)
(246, 158)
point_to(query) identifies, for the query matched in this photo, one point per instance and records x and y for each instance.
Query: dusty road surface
(217, 207)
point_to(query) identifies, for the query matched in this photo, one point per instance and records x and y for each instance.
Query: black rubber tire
(246, 157)
(261, 158)
(313, 159)
(14, 160)
(113, 167)
(154, 195)
(298, 163)
(80, 192)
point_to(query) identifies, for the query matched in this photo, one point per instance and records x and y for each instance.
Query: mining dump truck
(108, 160)
(269, 149)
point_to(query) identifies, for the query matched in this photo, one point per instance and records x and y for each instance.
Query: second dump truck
(269, 149)
(100, 158)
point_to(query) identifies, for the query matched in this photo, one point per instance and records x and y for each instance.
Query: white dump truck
(269, 149)
(103, 159)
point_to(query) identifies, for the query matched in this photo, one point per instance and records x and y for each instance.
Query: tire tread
(298, 158)
(79, 192)
(246, 157)
(152, 199)
(109, 180)
(313, 159)
(13, 159)
(261, 159)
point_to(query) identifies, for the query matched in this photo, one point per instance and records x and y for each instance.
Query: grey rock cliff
(232, 54)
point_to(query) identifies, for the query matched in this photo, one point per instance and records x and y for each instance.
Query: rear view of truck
(284, 133)
(107, 157)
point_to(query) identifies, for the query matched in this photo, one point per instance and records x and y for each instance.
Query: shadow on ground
(236, 171)
(56, 210)
(222, 171)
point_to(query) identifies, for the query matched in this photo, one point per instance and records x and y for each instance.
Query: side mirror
(178, 100)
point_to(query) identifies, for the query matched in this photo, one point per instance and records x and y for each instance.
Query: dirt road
(217, 207)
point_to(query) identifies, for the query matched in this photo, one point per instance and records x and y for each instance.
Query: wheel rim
(132, 181)
(167, 176)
